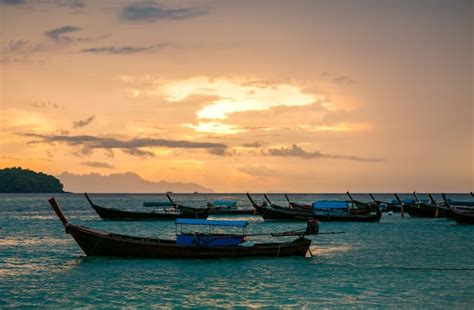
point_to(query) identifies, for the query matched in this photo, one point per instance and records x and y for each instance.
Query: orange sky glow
(281, 96)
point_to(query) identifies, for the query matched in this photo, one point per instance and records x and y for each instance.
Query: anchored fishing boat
(461, 214)
(298, 205)
(222, 207)
(321, 210)
(228, 207)
(187, 244)
(419, 208)
(386, 206)
(162, 211)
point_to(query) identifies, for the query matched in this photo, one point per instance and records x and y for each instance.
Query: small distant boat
(321, 210)
(165, 211)
(187, 245)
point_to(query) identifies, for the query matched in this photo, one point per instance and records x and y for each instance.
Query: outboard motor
(312, 227)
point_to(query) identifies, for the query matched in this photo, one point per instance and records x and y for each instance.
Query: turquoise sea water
(399, 262)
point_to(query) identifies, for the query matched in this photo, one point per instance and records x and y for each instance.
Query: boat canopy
(157, 204)
(185, 221)
(330, 205)
(224, 202)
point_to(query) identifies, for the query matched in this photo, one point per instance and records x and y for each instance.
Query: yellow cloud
(13, 120)
(234, 95)
(339, 127)
(215, 127)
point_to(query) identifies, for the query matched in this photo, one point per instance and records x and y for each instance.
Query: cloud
(74, 4)
(132, 146)
(17, 50)
(83, 123)
(215, 127)
(139, 153)
(254, 145)
(344, 80)
(220, 151)
(124, 50)
(296, 151)
(61, 34)
(229, 95)
(151, 12)
(97, 164)
(13, 2)
(14, 46)
(44, 105)
(338, 127)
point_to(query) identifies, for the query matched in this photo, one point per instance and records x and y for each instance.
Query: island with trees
(18, 180)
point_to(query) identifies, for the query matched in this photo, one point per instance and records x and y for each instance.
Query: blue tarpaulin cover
(330, 205)
(211, 222)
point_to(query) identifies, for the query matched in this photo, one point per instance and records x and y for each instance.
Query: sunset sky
(290, 96)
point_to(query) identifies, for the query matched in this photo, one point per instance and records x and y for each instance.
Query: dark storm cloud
(296, 151)
(124, 50)
(83, 123)
(151, 12)
(131, 146)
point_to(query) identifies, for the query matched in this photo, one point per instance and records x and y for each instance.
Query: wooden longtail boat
(421, 209)
(298, 205)
(461, 214)
(100, 243)
(221, 210)
(272, 211)
(177, 211)
(363, 207)
(223, 207)
(386, 206)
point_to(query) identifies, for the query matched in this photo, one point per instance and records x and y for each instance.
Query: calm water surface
(399, 262)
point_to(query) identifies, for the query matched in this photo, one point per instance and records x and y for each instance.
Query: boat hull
(462, 216)
(271, 214)
(224, 211)
(122, 215)
(423, 210)
(98, 243)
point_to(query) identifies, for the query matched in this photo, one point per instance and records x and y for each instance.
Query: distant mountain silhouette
(128, 182)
